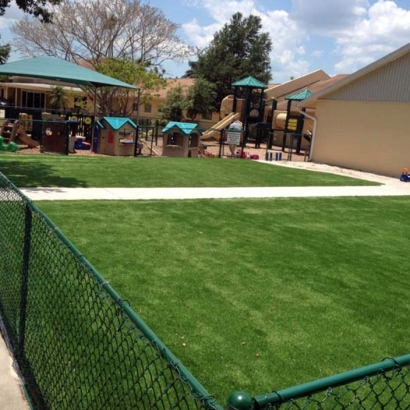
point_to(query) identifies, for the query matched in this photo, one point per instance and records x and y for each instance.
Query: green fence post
(239, 400)
(24, 281)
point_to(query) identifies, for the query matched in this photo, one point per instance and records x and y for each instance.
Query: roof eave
(358, 74)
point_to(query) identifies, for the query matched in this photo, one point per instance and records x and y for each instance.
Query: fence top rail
(337, 380)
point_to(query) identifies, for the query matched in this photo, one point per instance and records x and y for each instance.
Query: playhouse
(181, 139)
(115, 136)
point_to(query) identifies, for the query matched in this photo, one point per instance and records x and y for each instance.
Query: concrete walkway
(11, 392)
(62, 194)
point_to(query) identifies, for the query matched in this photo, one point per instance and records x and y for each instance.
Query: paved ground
(11, 397)
(11, 393)
(389, 187)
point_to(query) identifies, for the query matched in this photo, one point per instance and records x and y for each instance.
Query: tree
(238, 50)
(176, 102)
(139, 74)
(201, 98)
(58, 97)
(96, 29)
(4, 53)
(37, 8)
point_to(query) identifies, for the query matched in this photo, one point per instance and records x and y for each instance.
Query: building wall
(366, 136)
(388, 83)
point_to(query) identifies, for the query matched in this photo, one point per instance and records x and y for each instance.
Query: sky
(337, 36)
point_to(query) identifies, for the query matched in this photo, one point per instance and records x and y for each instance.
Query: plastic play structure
(257, 108)
(181, 139)
(116, 136)
(12, 147)
(15, 132)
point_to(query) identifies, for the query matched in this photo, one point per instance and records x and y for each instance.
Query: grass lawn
(265, 293)
(71, 171)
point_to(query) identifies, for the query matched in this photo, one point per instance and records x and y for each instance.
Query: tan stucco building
(363, 120)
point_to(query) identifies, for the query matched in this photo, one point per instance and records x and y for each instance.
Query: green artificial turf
(265, 294)
(71, 171)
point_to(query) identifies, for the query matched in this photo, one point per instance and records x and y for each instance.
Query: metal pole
(220, 143)
(24, 282)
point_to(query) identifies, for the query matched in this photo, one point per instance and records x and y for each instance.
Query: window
(135, 106)
(32, 100)
(147, 108)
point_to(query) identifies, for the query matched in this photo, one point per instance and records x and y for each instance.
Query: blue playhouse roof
(116, 122)
(185, 127)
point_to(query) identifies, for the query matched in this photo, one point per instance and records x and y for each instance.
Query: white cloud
(287, 55)
(385, 28)
(326, 17)
(13, 14)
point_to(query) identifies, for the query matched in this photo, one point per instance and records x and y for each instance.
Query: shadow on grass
(23, 173)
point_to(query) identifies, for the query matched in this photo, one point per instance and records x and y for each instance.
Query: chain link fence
(384, 385)
(78, 345)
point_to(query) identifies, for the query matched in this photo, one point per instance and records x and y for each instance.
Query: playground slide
(26, 140)
(214, 132)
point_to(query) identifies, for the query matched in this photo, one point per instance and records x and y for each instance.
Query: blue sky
(337, 36)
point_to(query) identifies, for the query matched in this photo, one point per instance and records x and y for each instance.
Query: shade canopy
(250, 82)
(299, 96)
(53, 68)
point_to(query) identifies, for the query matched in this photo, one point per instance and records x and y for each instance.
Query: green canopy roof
(185, 127)
(301, 95)
(249, 82)
(116, 122)
(53, 68)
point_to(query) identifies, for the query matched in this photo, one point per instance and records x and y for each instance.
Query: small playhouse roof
(299, 96)
(185, 127)
(116, 122)
(249, 82)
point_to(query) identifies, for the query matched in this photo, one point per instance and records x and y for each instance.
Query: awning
(53, 68)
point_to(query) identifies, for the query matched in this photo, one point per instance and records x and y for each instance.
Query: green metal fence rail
(384, 385)
(77, 343)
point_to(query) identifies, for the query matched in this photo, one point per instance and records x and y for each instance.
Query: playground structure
(181, 139)
(271, 116)
(14, 131)
(116, 136)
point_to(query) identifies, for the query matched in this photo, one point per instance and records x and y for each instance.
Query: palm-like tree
(58, 97)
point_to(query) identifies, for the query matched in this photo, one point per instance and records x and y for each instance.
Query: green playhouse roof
(185, 127)
(116, 122)
(301, 95)
(250, 82)
(53, 68)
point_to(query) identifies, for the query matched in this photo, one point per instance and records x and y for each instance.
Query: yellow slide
(214, 132)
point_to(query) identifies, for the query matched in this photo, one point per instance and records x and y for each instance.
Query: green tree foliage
(175, 104)
(237, 51)
(58, 97)
(140, 74)
(37, 8)
(4, 53)
(201, 98)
